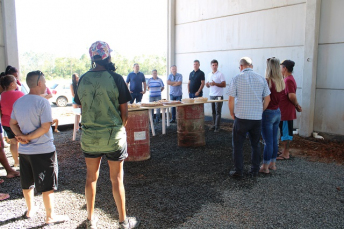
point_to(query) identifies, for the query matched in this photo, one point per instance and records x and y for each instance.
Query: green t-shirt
(100, 93)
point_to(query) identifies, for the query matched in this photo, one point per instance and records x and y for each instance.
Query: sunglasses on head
(39, 73)
(270, 59)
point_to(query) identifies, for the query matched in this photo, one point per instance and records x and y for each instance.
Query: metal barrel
(190, 125)
(138, 139)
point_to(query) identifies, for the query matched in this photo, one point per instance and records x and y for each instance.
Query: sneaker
(92, 224)
(217, 130)
(212, 128)
(129, 223)
(235, 174)
(172, 121)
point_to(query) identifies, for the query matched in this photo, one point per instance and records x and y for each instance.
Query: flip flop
(281, 158)
(57, 219)
(1, 181)
(17, 174)
(4, 196)
(33, 212)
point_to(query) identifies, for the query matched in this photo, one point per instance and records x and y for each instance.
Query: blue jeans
(137, 96)
(270, 123)
(253, 128)
(193, 95)
(179, 98)
(152, 99)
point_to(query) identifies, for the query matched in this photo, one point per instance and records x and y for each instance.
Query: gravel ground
(190, 188)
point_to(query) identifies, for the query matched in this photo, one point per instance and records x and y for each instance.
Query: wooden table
(166, 107)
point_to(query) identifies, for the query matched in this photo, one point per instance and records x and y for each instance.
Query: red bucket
(190, 125)
(138, 139)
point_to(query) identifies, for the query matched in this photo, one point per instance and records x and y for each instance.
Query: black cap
(289, 64)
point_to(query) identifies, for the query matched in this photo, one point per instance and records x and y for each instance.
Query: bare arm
(293, 99)
(202, 85)
(124, 113)
(222, 84)
(72, 90)
(231, 106)
(129, 88)
(169, 82)
(266, 102)
(144, 87)
(162, 88)
(16, 130)
(200, 88)
(44, 128)
(15, 127)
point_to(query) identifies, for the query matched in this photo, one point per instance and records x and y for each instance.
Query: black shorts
(118, 155)
(9, 132)
(39, 170)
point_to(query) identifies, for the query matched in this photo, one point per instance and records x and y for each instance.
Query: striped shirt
(249, 90)
(155, 86)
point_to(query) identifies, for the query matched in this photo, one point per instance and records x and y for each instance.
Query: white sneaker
(92, 224)
(129, 223)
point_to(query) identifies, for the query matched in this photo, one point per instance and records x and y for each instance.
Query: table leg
(151, 122)
(163, 121)
(168, 116)
(75, 125)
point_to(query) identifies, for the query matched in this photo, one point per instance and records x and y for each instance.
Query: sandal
(56, 219)
(4, 196)
(281, 158)
(33, 213)
(1, 181)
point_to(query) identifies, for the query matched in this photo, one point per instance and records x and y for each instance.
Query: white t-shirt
(217, 77)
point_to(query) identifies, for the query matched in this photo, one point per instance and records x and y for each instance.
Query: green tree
(63, 67)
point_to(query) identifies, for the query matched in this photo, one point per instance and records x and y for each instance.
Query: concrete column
(10, 33)
(310, 66)
(171, 34)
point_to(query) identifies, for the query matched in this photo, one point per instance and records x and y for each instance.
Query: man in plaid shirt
(249, 96)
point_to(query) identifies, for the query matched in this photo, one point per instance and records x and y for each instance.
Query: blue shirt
(176, 90)
(249, 90)
(136, 80)
(155, 86)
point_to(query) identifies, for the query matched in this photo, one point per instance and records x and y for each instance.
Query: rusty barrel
(138, 139)
(190, 125)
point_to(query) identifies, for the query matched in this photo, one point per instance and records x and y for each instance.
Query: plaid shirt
(249, 90)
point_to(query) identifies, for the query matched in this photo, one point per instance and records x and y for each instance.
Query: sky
(69, 27)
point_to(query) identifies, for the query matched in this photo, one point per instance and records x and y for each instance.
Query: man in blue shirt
(135, 79)
(249, 96)
(155, 87)
(175, 81)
